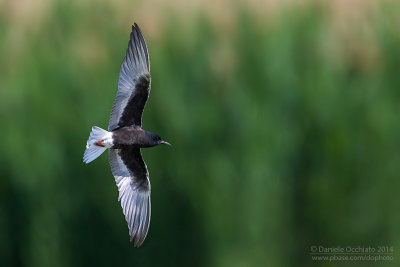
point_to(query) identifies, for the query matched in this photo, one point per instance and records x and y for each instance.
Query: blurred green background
(284, 120)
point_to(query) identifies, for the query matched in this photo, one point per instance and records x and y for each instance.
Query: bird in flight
(125, 138)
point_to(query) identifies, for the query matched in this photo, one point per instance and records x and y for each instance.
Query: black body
(134, 137)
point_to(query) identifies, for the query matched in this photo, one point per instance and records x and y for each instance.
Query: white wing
(133, 83)
(131, 176)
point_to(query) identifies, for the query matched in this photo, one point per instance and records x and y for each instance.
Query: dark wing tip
(136, 29)
(141, 226)
(135, 26)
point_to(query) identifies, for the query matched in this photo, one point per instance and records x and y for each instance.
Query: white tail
(93, 151)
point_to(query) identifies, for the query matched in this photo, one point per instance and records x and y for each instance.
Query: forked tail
(98, 142)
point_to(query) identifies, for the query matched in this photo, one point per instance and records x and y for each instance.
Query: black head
(156, 140)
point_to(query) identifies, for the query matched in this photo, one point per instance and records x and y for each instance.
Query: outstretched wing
(133, 183)
(133, 84)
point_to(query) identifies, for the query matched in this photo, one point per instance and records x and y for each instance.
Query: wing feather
(133, 184)
(133, 83)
